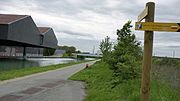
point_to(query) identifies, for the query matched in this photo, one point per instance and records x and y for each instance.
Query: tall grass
(98, 80)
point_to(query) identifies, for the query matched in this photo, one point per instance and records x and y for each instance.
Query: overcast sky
(84, 23)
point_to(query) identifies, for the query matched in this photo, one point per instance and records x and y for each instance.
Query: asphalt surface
(48, 86)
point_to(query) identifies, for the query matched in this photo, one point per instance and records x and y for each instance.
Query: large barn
(21, 31)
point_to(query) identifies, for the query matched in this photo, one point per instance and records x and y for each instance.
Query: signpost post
(149, 26)
(147, 58)
(148, 14)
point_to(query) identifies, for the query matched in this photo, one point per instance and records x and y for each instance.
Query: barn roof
(10, 18)
(21, 30)
(43, 30)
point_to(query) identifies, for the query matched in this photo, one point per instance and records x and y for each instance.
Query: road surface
(48, 86)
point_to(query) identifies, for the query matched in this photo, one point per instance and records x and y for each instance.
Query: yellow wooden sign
(156, 26)
(143, 14)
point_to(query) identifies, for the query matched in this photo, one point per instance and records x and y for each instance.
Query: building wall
(50, 39)
(3, 31)
(24, 31)
(6, 51)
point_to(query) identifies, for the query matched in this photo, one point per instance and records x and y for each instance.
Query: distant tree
(78, 51)
(105, 48)
(69, 50)
(48, 51)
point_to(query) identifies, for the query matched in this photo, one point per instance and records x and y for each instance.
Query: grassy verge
(99, 88)
(175, 62)
(5, 75)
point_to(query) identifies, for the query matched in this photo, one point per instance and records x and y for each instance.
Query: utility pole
(93, 49)
(173, 53)
(147, 58)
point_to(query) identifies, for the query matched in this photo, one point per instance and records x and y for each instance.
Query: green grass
(168, 61)
(99, 88)
(6, 75)
(163, 92)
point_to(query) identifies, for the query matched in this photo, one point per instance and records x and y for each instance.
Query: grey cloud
(57, 7)
(166, 10)
(167, 37)
(176, 47)
(98, 6)
(68, 8)
(75, 33)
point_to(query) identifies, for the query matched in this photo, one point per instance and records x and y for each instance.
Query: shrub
(126, 57)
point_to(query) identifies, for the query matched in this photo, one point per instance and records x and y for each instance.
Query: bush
(126, 57)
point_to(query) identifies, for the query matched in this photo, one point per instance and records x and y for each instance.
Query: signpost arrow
(157, 26)
(143, 14)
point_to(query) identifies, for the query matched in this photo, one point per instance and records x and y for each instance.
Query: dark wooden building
(21, 31)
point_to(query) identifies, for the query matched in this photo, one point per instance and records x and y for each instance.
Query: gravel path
(48, 86)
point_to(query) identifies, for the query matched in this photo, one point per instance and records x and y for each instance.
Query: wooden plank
(158, 26)
(143, 14)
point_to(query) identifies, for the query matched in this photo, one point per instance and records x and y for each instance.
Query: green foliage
(105, 47)
(69, 50)
(78, 51)
(80, 57)
(98, 80)
(127, 48)
(48, 51)
(126, 57)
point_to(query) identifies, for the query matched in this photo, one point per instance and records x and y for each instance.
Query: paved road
(47, 86)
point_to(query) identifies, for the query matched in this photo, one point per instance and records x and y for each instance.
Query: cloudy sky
(84, 23)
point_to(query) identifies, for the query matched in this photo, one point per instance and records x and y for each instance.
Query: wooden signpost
(149, 26)
(148, 47)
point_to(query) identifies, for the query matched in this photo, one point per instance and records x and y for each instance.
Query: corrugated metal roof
(43, 30)
(9, 18)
